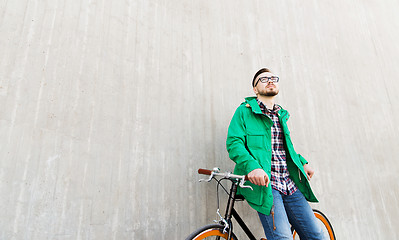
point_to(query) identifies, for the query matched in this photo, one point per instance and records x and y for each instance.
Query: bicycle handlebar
(229, 175)
(216, 173)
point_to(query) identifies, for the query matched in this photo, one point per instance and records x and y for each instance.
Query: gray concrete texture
(108, 108)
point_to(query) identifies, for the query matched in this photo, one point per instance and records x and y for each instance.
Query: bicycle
(223, 229)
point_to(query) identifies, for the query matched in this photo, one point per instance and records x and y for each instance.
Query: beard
(269, 92)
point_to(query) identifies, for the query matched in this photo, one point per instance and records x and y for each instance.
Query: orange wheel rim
(321, 218)
(212, 232)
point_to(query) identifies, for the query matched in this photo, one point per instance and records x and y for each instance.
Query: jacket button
(247, 105)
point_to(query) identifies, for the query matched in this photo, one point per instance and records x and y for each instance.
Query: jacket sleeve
(302, 159)
(236, 144)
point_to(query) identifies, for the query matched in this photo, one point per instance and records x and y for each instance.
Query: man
(259, 142)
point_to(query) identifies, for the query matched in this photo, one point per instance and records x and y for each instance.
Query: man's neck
(267, 100)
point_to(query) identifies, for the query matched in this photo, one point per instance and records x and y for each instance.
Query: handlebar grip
(204, 171)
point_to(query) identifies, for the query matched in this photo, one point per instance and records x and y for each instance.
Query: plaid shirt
(279, 173)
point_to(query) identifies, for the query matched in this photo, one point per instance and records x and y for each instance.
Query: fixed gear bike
(223, 229)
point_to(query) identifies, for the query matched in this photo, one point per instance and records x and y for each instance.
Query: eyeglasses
(274, 79)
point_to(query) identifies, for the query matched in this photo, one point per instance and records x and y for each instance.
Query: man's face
(266, 87)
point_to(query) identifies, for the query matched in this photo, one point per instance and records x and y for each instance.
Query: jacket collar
(251, 101)
(253, 104)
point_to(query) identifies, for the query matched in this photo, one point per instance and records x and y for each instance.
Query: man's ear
(255, 90)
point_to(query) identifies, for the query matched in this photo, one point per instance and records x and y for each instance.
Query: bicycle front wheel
(325, 225)
(208, 232)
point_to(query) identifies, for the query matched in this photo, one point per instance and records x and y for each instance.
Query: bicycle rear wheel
(325, 225)
(208, 232)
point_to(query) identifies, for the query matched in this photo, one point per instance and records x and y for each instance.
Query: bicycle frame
(231, 212)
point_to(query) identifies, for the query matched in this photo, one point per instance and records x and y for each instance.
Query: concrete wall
(107, 108)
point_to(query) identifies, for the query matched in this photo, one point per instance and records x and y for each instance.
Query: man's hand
(309, 171)
(259, 177)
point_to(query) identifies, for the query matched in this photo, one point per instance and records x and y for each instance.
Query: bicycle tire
(326, 223)
(208, 232)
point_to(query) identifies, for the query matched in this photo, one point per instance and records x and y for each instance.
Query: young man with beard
(259, 142)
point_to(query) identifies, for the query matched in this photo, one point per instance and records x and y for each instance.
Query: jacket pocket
(256, 141)
(254, 196)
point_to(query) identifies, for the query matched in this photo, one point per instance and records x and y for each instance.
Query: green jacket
(249, 146)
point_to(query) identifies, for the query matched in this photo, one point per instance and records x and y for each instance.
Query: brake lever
(242, 181)
(209, 179)
(214, 170)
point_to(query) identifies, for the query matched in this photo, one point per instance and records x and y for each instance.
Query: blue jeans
(291, 210)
